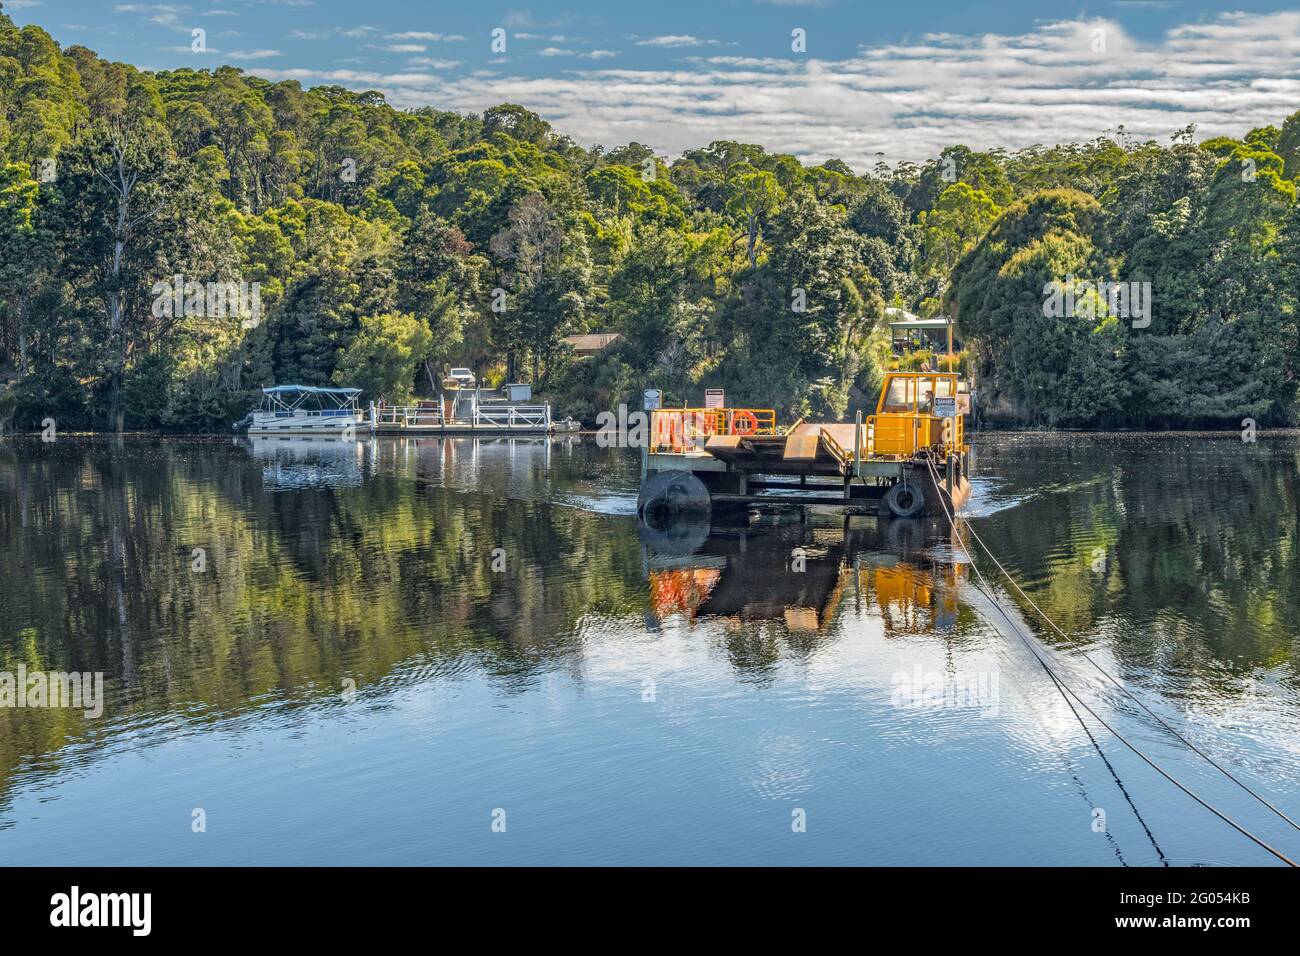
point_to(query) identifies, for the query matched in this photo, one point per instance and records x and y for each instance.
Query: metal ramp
(801, 453)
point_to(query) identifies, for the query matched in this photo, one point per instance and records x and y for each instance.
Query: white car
(464, 376)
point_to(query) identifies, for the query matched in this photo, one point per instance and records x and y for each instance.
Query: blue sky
(887, 81)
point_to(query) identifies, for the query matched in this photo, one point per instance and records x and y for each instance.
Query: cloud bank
(1067, 81)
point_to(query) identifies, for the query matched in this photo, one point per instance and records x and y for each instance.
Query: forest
(349, 242)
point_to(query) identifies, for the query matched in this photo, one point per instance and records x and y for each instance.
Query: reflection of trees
(304, 586)
(1199, 536)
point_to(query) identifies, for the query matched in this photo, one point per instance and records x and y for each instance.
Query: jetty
(461, 410)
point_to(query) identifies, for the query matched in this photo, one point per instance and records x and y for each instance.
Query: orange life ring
(745, 416)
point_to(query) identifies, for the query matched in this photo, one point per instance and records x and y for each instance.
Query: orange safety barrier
(676, 429)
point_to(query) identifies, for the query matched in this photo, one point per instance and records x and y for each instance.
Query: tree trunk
(115, 415)
(22, 336)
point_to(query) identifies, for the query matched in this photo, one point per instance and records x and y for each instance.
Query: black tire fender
(905, 499)
(670, 493)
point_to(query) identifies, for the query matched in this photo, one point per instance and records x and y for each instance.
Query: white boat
(305, 410)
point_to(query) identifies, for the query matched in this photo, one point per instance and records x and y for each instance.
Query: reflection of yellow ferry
(916, 599)
(792, 575)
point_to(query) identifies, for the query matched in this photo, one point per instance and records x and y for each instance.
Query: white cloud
(422, 35)
(432, 63)
(352, 33)
(587, 55)
(767, 62)
(677, 40)
(357, 77)
(162, 14)
(1227, 75)
(253, 54)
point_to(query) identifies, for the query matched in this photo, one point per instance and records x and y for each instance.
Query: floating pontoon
(464, 411)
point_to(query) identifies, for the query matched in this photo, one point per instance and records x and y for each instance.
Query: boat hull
(264, 424)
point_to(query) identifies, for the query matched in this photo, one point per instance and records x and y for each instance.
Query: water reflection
(373, 563)
(1178, 554)
(294, 461)
(798, 567)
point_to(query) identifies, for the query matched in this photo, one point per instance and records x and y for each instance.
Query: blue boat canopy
(309, 390)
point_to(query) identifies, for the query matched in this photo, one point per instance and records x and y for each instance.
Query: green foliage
(51, 391)
(382, 358)
(959, 219)
(753, 195)
(385, 245)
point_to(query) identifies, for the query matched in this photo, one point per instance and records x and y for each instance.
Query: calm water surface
(517, 644)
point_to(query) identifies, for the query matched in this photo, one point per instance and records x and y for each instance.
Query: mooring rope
(1065, 687)
(1114, 775)
(1129, 694)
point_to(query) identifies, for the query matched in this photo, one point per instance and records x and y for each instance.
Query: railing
(491, 416)
(680, 430)
(888, 434)
(835, 448)
(896, 434)
(904, 434)
(314, 412)
(407, 415)
(513, 416)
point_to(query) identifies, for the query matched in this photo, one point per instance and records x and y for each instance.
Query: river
(427, 651)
